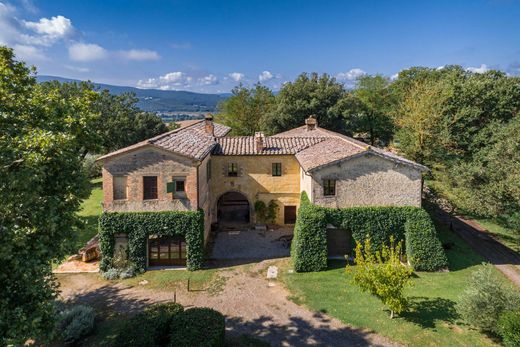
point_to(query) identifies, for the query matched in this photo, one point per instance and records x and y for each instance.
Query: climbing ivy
(410, 224)
(138, 226)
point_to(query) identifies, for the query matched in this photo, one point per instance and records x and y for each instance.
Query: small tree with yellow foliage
(382, 274)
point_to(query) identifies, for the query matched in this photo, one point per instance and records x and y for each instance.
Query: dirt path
(502, 257)
(251, 304)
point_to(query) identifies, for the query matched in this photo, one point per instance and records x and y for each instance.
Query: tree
(420, 118)
(485, 298)
(373, 109)
(381, 274)
(120, 123)
(42, 138)
(309, 94)
(245, 110)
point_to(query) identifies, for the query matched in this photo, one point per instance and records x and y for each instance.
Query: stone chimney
(311, 123)
(259, 142)
(208, 124)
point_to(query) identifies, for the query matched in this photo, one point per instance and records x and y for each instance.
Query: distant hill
(161, 101)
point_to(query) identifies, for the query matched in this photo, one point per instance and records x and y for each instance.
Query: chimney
(259, 141)
(311, 123)
(208, 124)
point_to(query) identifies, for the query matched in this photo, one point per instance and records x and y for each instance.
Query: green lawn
(432, 319)
(506, 236)
(89, 213)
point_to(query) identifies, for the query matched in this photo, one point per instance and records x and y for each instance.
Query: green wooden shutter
(170, 187)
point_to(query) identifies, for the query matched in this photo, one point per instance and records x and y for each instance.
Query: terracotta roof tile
(191, 141)
(245, 145)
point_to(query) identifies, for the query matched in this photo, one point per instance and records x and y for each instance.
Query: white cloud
(50, 30)
(25, 52)
(350, 75)
(169, 81)
(483, 68)
(87, 52)
(236, 76)
(185, 45)
(208, 80)
(394, 76)
(139, 54)
(265, 76)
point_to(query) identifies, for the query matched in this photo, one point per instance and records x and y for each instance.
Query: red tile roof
(191, 141)
(245, 145)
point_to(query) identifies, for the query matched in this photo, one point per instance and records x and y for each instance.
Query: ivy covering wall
(410, 224)
(138, 226)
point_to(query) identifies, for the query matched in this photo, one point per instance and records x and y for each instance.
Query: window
(208, 170)
(119, 187)
(179, 186)
(232, 170)
(329, 187)
(277, 169)
(149, 187)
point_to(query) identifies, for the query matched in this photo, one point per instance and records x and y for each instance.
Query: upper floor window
(277, 169)
(149, 187)
(119, 187)
(329, 187)
(177, 187)
(232, 170)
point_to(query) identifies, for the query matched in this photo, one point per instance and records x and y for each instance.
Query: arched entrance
(233, 208)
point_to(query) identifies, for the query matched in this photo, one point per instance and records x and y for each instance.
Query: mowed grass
(174, 279)
(432, 319)
(506, 236)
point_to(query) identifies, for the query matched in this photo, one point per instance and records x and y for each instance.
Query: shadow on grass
(298, 332)
(426, 311)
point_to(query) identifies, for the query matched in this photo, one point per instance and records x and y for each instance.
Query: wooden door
(289, 214)
(167, 251)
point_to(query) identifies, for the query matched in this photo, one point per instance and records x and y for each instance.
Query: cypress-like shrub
(138, 226)
(202, 327)
(410, 224)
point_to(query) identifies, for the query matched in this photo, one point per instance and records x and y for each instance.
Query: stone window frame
(156, 188)
(329, 187)
(114, 188)
(276, 169)
(232, 169)
(179, 194)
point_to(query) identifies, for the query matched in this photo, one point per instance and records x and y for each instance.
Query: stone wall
(255, 181)
(205, 194)
(369, 180)
(149, 161)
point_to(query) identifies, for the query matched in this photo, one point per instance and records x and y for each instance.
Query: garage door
(164, 251)
(338, 243)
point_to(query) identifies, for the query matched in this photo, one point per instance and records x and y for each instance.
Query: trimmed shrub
(424, 250)
(111, 274)
(309, 246)
(150, 327)
(485, 299)
(76, 322)
(138, 331)
(509, 328)
(201, 327)
(162, 316)
(140, 225)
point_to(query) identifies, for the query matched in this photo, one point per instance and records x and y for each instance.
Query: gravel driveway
(252, 306)
(251, 244)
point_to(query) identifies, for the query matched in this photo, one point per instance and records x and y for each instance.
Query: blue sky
(210, 46)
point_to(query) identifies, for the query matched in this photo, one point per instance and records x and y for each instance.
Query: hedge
(138, 226)
(410, 224)
(202, 327)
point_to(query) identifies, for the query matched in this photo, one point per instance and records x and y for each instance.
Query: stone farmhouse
(198, 166)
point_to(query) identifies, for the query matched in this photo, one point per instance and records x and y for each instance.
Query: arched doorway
(233, 208)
